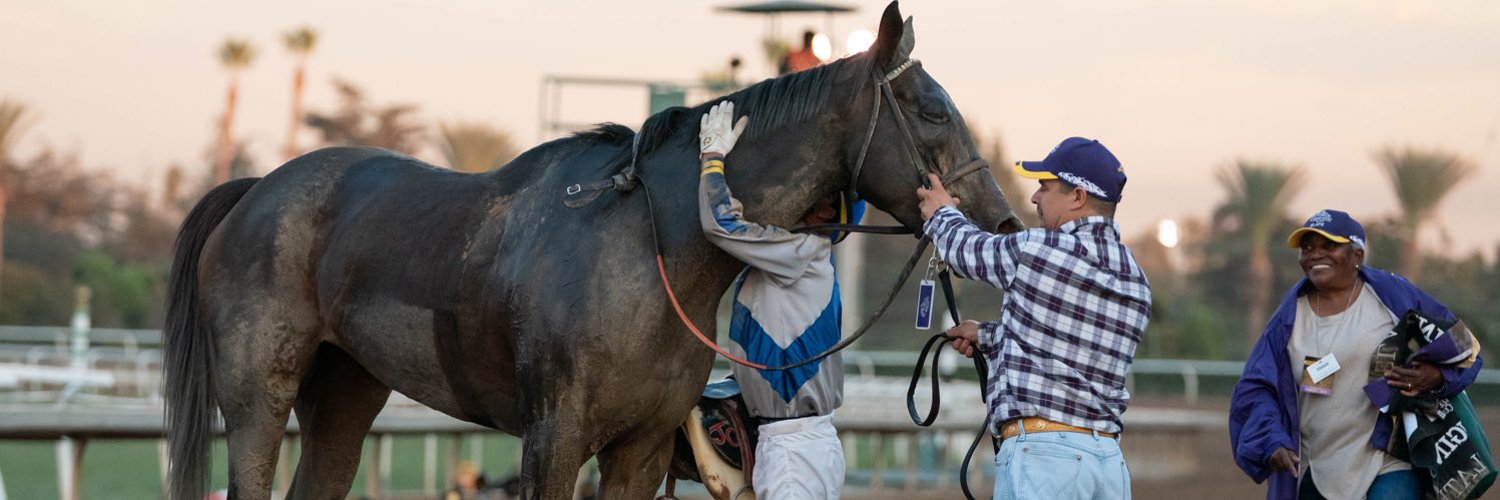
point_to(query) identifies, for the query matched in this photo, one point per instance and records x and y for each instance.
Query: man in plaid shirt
(1076, 305)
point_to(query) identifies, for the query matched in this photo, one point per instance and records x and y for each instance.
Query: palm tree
(11, 126)
(475, 147)
(235, 55)
(1258, 196)
(1421, 179)
(300, 42)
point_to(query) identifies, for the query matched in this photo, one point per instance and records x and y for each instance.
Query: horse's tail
(188, 358)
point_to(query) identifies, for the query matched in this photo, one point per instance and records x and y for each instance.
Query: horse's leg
(634, 466)
(554, 450)
(337, 404)
(260, 364)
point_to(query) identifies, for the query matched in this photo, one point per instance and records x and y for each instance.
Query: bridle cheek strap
(917, 161)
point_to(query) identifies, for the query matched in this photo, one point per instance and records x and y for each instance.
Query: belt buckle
(575, 189)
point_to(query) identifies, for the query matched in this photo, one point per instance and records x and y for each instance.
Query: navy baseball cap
(1081, 162)
(1332, 224)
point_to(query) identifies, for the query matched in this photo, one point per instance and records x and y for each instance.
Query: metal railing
(111, 348)
(112, 389)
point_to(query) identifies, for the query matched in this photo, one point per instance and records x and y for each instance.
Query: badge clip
(925, 290)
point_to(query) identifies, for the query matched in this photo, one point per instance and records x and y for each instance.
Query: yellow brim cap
(1295, 239)
(1022, 171)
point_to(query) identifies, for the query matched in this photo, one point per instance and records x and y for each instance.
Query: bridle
(913, 156)
(922, 168)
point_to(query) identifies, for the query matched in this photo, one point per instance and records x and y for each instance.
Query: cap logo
(1320, 219)
(1083, 183)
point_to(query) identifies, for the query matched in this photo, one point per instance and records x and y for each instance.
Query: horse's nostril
(1011, 225)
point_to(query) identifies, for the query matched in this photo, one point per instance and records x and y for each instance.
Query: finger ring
(1408, 385)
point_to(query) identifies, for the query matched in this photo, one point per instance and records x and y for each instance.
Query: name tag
(1323, 368)
(1322, 383)
(924, 305)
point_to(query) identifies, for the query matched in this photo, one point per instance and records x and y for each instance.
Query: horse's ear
(908, 42)
(889, 41)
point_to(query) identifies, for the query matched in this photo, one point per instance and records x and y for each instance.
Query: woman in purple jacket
(1300, 415)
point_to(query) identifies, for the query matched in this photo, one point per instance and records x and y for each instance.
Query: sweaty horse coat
(351, 272)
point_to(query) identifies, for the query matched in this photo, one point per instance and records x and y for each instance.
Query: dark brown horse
(351, 272)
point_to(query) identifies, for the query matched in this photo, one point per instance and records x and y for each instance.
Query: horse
(350, 272)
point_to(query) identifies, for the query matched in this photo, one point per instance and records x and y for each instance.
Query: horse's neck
(780, 176)
(777, 178)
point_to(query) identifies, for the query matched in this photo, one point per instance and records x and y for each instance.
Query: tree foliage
(356, 122)
(1421, 178)
(475, 147)
(1256, 196)
(300, 42)
(235, 54)
(68, 226)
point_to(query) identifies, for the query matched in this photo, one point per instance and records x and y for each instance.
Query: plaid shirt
(1076, 306)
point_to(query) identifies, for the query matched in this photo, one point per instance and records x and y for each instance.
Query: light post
(80, 325)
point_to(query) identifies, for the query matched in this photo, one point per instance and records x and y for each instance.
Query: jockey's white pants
(799, 459)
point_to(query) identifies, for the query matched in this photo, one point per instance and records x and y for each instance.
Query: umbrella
(773, 8)
(777, 6)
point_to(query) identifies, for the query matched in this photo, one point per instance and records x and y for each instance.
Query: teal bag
(1450, 452)
(1445, 440)
(1483, 458)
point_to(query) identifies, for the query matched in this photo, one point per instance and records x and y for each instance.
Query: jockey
(786, 309)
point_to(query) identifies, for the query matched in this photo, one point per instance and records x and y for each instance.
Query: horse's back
(418, 272)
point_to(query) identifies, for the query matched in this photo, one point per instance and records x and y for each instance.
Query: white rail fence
(53, 388)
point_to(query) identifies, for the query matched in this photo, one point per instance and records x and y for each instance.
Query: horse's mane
(774, 102)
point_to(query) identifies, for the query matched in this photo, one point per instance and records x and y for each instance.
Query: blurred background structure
(115, 118)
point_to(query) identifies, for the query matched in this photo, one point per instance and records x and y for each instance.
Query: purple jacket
(1263, 413)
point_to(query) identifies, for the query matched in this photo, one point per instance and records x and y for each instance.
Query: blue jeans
(1062, 466)
(1398, 485)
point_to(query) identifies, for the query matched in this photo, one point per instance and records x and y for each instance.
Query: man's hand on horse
(965, 337)
(935, 198)
(715, 134)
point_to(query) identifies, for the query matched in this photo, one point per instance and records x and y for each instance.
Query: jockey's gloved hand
(715, 136)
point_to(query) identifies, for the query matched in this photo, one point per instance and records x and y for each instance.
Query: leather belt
(1012, 428)
(759, 421)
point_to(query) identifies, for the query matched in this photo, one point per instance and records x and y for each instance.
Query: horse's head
(916, 130)
(875, 123)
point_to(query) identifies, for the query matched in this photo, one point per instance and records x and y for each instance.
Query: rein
(883, 82)
(883, 86)
(980, 366)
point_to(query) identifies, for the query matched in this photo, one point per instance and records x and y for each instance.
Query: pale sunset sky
(1176, 88)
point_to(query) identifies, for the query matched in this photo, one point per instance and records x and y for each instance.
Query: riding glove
(715, 136)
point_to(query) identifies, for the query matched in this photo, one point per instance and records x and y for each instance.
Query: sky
(1177, 89)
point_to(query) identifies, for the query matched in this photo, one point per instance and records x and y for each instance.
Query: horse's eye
(935, 116)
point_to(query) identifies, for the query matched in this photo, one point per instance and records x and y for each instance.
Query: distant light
(1166, 233)
(822, 47)
(859, 40)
